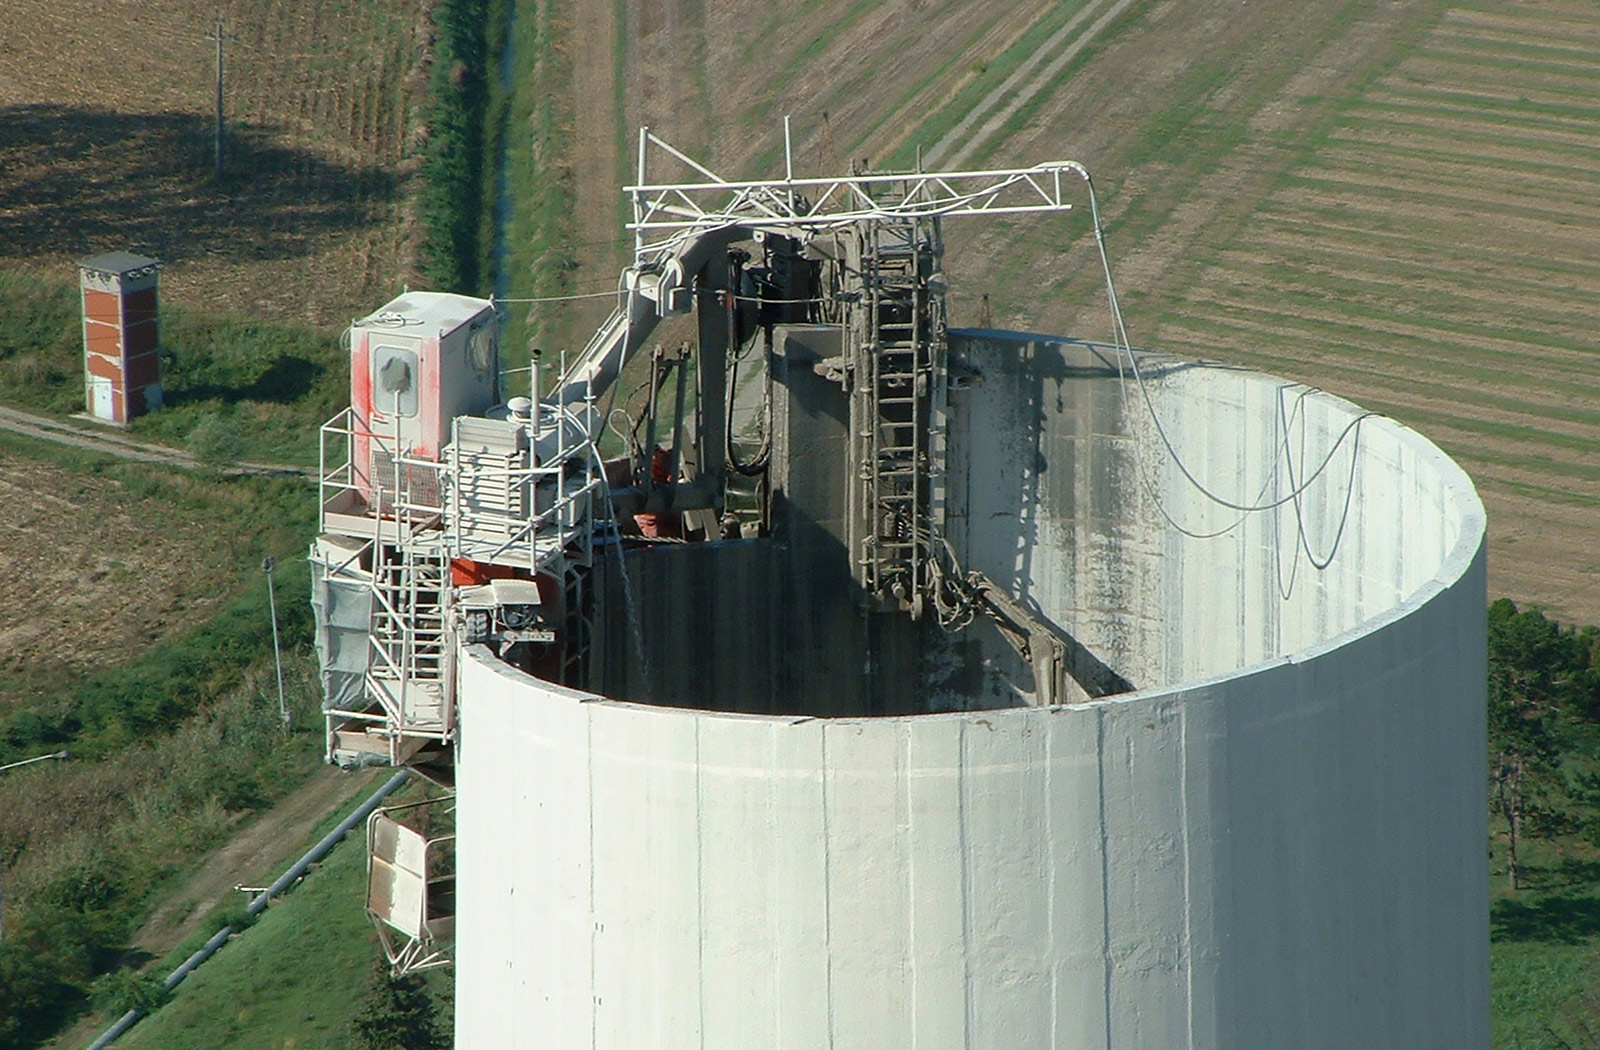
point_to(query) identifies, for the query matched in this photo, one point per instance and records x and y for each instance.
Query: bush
(238, 919)
(34, 997)
(215, 441)
(122, 990)
(84, 869)
(397, 1013)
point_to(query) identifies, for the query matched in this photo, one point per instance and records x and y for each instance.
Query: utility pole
(277, 653)
(220, 37)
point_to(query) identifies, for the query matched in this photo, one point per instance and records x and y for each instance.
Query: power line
(561, 298)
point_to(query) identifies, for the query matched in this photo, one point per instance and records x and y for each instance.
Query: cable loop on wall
(1297, 486)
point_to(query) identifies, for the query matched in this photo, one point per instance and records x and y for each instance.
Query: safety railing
(386, 483)
(547, 516)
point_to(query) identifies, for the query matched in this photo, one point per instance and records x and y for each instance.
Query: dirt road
(253, 858)
(114, 444)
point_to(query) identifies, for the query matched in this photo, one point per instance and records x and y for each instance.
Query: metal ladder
(899, 336)
(580, 623)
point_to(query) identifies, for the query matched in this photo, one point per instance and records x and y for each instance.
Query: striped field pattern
(1435, 254)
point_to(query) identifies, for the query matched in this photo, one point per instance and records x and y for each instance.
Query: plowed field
(1392, 199)
(106, 143)
(1435, 253)
(94, 567)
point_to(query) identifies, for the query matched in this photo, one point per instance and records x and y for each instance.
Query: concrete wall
(1064, 490)
(1278, 842)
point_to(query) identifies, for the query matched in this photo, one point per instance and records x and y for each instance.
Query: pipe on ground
(259, 903)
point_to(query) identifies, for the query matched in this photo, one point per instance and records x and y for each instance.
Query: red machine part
(669, 524)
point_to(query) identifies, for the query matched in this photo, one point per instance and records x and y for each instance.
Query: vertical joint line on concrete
(827, 883)
(775, 921)
(700, 883)
(966, 883)
(1048, 743)
(1187, 948)
(1105, 862)
(910, 955)
(594, 921)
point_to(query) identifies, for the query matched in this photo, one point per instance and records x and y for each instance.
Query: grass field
(316, 944)
(1546, 947)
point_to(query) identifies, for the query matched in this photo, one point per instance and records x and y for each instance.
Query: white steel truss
(667, 214)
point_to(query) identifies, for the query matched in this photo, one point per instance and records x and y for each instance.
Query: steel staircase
(406, 673)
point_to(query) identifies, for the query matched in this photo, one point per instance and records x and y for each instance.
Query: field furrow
(1306, 340)
(1471, 67)
(1378, 281)
(1438, 159)
(1460, 186)
(1570, 21)
(1575, 134)
(1472, 227)
(1274, 309)
(1511, 114)
(1531, 44)
(1478, 253)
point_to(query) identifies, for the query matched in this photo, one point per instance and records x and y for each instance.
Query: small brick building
(121, 335)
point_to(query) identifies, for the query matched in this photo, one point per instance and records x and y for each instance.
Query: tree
(397, 1013)
(1534, 681)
